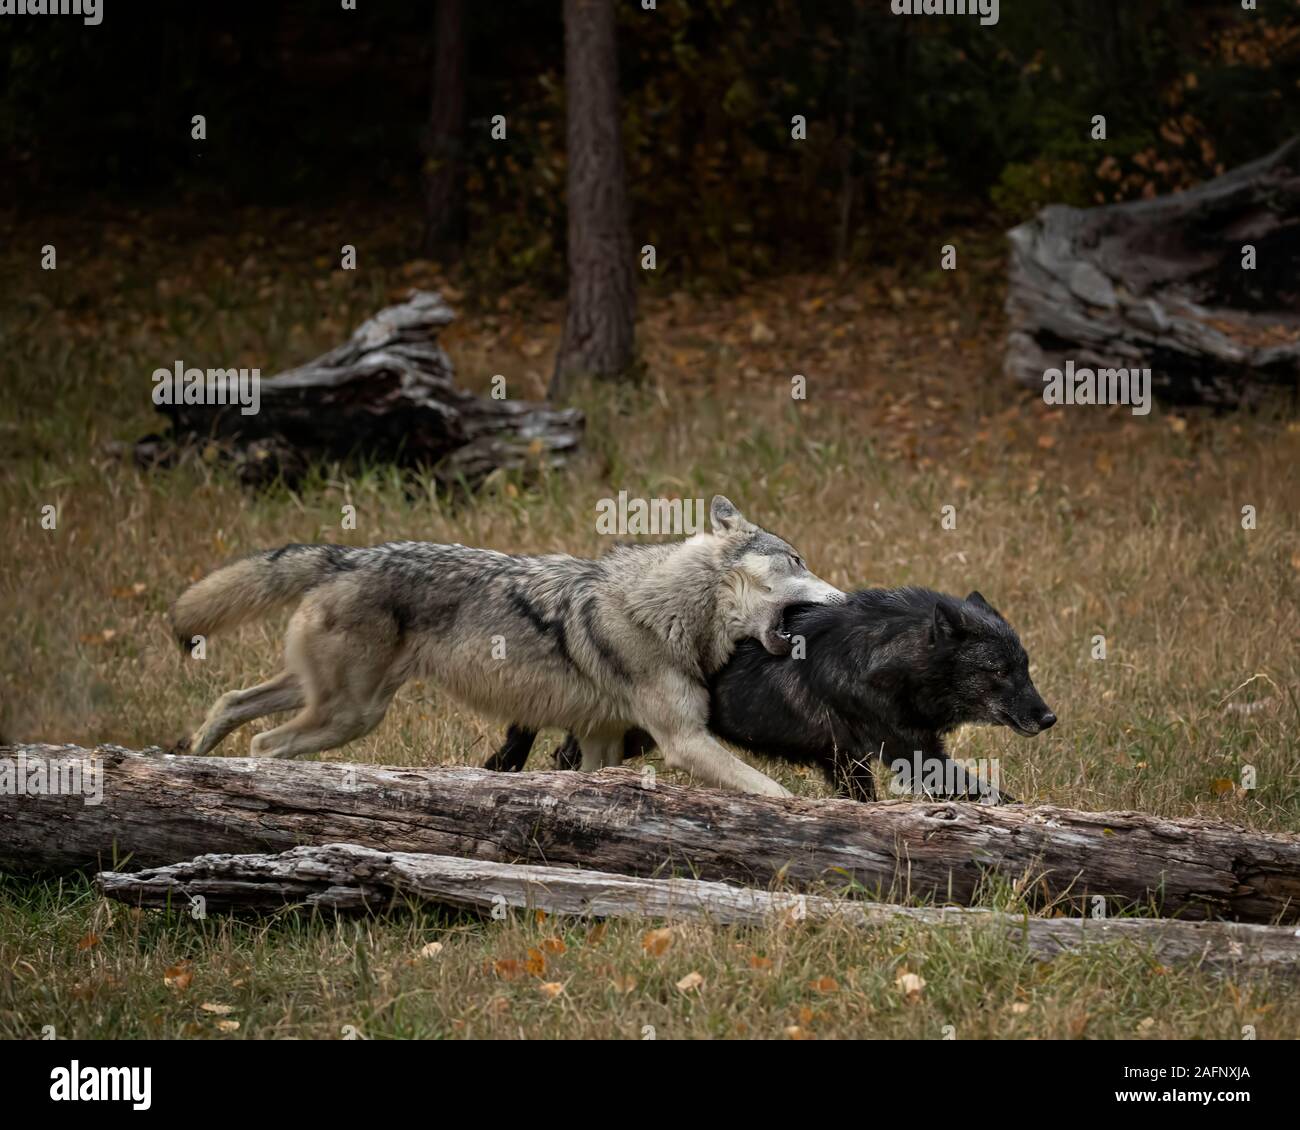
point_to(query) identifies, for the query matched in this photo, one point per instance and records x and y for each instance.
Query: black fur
(886, 674)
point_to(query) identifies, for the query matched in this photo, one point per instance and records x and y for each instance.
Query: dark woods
(913, 123)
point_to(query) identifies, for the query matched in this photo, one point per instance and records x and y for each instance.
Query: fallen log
(387, 394)
(1163, 284)
(161, 809)
(342, 877)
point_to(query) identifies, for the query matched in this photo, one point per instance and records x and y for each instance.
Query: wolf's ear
(979, 602)
(725, 517)
(946, 624)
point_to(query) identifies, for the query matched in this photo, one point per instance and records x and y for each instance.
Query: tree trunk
(164, 809)
(387, 394)
(339, 877)
(599, 327)
(444, 179)
(1161, 284)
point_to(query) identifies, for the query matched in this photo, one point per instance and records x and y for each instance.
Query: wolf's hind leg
(348, 677)
(234, 708)
(318, 728)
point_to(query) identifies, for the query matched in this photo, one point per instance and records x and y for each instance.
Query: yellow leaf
(690, 982)
(911, 985)
(551, 989)
(219, 1009)
(178, 976)
(656, 942)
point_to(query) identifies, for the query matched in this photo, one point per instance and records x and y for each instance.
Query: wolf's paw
(770, 788)
(180, 745)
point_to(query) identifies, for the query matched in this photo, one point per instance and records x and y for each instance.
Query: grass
(1076, 523)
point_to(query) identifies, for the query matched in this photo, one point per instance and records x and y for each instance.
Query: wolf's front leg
(703, 756)
(598, 752)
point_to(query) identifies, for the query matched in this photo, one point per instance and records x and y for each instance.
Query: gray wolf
(886, 674)
(597, 647)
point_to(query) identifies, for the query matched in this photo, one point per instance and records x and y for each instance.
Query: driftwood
(1160, 284)
(338, 877)
(387, 394)
(161, 809)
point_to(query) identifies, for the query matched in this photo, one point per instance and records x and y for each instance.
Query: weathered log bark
(164, 809)
(600, 323)
(1160, 284)
(389, 394)
(347, 877)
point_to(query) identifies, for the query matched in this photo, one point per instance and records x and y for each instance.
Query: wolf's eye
(797, 562)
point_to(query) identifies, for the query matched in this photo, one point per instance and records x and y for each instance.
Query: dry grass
(1074, 522)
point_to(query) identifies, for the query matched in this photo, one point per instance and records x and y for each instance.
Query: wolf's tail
(253, 587)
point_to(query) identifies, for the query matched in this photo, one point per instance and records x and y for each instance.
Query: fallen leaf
(824, 985)
(431, 949)
(90, 940)
(178, 976)
(551, 989)
(219, 1009)
(911, 985)
(228, 1025)
(690, 982)
(656, 942)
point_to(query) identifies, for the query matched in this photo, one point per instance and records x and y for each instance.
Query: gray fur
(593, 646)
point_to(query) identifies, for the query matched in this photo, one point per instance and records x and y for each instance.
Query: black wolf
(885, 674)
